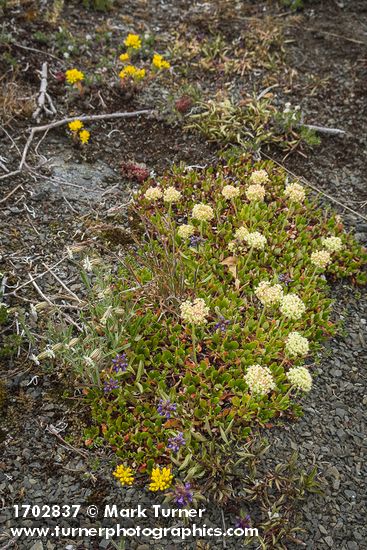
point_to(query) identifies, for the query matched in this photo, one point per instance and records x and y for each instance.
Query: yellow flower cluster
(256, 240)
(296, 344)
(300, 378)
(185, 231)
(84, 136)
(321, 258)
(124, 57)
(153, 193)
(333, 244)
(255, 192)
(268, 294)
(124, 475)
(295, 192)
(171, 195)
(133, 72)
(259, 176)
(202, 212)
(291, 306)
(230, 192)
(160, 63)
(241, 233)
(73, 76)
(194, 312)
(133, 41)
(160, 479)
(75, 125)
(259, 380)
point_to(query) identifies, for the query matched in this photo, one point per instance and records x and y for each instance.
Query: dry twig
(57, 123)
(324, 130)
(68, 290)
(306, 182)
(44, 98)
(52, 430)
(46, 299)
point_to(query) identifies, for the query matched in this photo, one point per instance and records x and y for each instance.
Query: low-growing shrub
(252, 125)
(206, 330)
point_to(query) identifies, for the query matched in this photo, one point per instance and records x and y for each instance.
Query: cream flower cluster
(295, 192)
(153, 193)
(333, 244)
(268, 294)
(255, 192)
(296, 344)
(171, 195)
(194, 312)
(230, 192)
(259, 380)
(185, 231)
(300, 378)
(321, 258)
(291, 306)
(202, 212)
(259, 176)
(256, 240)
(241, 234)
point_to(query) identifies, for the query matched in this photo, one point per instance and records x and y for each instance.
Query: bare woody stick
(44, 99)
(57, 123)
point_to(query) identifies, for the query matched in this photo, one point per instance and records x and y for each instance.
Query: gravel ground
(332, 434)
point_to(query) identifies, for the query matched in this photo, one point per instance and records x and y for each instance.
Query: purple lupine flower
(176, 442)
(182, 494)
(120, 363)
(165, 408)
(243, 523)
(195, 240)
(285, 278)
(110, 385)
(222, 324)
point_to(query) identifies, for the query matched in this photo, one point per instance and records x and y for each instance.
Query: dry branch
(44, 98)
(324, 130)
(57, 123)
(317, 189)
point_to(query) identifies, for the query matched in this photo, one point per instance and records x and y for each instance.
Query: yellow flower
(333, 244)
(171, 195)
(185, 231)
(194, 312)
(160, 479)
(124, 475)
(300, 378)
(73, 75)
(84, 136)
(153, 193)
(75, 125)
(130, 70)
(259, 380)
(159, 62)
(202, 212)
(259, 176)
(295, 192)
(133, 41)
(124, 57)
(321, 258)
(230, 192)
(140, 73)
